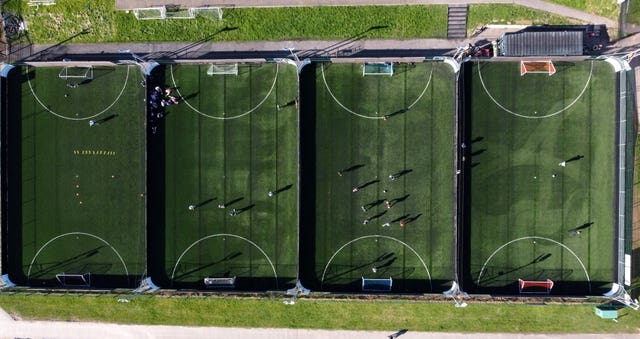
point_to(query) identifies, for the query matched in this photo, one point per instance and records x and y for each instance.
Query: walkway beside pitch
(535, 4)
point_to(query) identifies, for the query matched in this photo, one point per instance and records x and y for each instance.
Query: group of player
(388, 204)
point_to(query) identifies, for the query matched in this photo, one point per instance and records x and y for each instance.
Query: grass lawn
(77, 193)
(323, 314)
(352, 136)
(606, 8)
(634, 12)
(501, 14)
(52, 24)
(228, 143)
(529, 217)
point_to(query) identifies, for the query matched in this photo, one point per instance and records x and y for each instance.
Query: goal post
(222, 69)
(377, 285)
(76, 72)
(207, 12)
(177, 12)
(535, 286)
(377, 68)
(74, 280)
(545, 67)
(150, 13)
(222, 282)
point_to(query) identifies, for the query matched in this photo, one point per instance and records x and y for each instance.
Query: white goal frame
(377, 68)
(160, 11)
(70, 279)
(42, 2)
(76, 73)
(222, 69)
(207, 12)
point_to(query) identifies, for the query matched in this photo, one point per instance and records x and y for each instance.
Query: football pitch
(392, 177)
(227, 157)
(76, 159)
(379, 188)
(540, 164)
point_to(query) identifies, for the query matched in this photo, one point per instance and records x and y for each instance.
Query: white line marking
(77, 233)
(535, 117)
(273, 85)
(374, 236)
(173, 272)
(126, 80)
(364, 115)
(533, 237)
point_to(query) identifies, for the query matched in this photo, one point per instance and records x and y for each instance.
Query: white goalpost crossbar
(377, 68)
(76, 72)
(221, 69)
(74, 280)
(161, 12)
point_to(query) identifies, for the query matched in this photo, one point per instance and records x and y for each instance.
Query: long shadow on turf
(12, 168)
(156, 187)
(307, 247)
(463, 255)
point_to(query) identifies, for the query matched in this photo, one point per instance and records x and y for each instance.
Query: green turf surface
(417, 138)
(524, 206)
(228, 143)
(78, 191)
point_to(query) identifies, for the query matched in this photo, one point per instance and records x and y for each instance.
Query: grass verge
(52, 24)
(608, 9)
(325, 314)
(500, 14)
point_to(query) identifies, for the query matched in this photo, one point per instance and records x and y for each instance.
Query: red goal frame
(545, 66)
(538, 286)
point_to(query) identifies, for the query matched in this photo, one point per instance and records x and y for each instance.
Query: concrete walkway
(535, 4)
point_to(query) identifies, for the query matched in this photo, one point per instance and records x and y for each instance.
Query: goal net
(42, 2)
(377, 68)
(207, 12)
(215, 69)
(76, 72)
(74, 280)
(535, 286)
(150, 13)
(545, 67)
(161, 12)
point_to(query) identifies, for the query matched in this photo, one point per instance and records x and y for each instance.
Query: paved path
(536, 4)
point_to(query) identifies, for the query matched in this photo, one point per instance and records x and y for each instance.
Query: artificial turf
(231, 140)
(76, 194)
(351, 136)
(527, 216)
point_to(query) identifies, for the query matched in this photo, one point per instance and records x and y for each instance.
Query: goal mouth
(76, 72)
(222, 69)
(545, 67)
(377, 68)
(74, 280)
